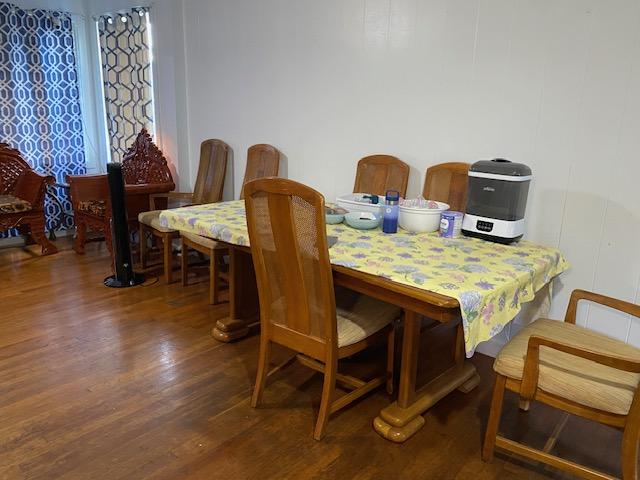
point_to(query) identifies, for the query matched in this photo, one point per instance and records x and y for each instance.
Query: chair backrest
(447, 182)
(12, 165)
(262, 161)
(288, 240)
(144, 163)
(214, 156)
(379, 173)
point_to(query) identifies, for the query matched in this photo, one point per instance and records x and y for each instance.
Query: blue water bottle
(391, 209)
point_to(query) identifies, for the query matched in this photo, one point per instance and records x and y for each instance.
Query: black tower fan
(123, 266)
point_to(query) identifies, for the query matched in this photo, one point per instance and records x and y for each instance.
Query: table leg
(403, 418)
(244, 310)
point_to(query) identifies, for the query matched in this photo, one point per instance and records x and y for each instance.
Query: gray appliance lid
(501, 166)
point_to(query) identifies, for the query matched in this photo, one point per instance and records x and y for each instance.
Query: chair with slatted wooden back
(447, 182)
(378, 173)
(298, 308)
(574, 369)
(262, 161)
(214, 156)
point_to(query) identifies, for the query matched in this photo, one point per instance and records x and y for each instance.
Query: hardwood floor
(97, 383)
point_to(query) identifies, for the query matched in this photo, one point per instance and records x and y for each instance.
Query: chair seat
(203, 241)
(11, 204)
(152, 219)
(570, 377)
(360, 316)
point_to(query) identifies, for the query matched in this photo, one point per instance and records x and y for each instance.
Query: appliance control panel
(483, 226)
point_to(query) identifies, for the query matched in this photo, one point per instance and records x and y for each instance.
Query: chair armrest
(30, 187)
(147, 188)
(616, 304)
(188, 196)
(532, 361)
(84, 188)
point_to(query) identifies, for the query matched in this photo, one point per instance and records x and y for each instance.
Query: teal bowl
(333, 218)
(356, 220)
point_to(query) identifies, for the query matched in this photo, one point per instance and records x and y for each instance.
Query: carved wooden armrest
(30, 187)
(188, 196)
(616, 304)
(146, 188)
(85, 188)
(532, 362)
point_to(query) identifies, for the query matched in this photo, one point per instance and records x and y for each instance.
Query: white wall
(554, 84)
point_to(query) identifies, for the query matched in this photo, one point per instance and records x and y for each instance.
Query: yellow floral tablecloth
(489, 280)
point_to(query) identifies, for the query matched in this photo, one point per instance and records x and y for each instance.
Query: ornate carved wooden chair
(297, 302)
(22, 198)
(447, 182)
(214, 156)
(145, 172)
(576, 370)
(379, 173)
(262, 161)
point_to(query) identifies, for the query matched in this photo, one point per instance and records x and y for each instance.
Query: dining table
(479, 285)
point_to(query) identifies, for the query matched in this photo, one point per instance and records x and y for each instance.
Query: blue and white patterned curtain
(39, 96)
(126, 73)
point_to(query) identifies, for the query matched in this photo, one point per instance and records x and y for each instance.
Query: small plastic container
(451, 224)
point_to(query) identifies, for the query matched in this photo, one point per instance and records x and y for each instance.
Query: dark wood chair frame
(18, 179)
(145, 172)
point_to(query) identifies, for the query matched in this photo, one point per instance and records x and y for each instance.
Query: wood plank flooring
(98, 383)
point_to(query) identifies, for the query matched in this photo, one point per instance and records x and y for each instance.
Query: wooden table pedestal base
(398, 424)
(231, 329)
(244, 310)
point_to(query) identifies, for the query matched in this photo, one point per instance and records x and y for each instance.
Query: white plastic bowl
(420, 220)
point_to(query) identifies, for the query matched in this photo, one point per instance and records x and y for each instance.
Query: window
(125, 52)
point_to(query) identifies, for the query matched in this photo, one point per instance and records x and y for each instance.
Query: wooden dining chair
(576, 370)
(447, 182)
(262, 161)
(379, 173)
(214, 156)
(298, 308)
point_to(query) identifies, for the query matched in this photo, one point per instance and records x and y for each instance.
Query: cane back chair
(298, 309)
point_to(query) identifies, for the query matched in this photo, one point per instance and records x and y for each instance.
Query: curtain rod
(132, 8)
